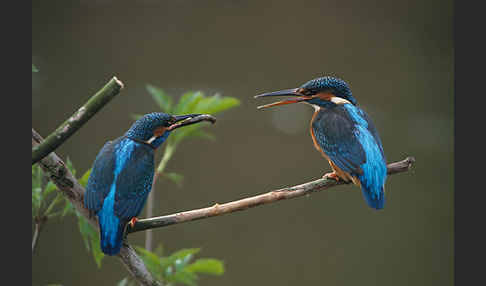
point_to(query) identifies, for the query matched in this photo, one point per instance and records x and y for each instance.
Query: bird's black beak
(185, 120)
(287, 92)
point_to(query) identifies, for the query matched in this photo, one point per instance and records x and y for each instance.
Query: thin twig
(81, 116)
(168, 152)
(70, 187)
(243, 204)
(35, 238)
(149, 213)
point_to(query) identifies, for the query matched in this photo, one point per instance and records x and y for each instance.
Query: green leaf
(91, 239)
(164, 101)
(96, 250)
(184, 277)
(215, 104)
(126, 282)
(174, 177)
(84, 230)
(180, 254)
(180, 263)
(36, 200)
(68, 208)
(123, 282)
(196, 102)
(206, 266)
(36, 176)
(49, 188)
(37, 195)
(84, 179)
(151, 260)
(70, 166)
(34, 69)
(187, 103)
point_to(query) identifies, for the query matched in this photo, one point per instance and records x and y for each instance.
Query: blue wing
(134, 182)
(371, 128)
(117, 188)
(101, 178)
(348, 137)
(334, 132)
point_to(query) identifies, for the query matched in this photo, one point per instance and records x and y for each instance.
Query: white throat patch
(339, 100)
(151, 139)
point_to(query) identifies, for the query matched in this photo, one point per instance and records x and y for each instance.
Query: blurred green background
(397, 57)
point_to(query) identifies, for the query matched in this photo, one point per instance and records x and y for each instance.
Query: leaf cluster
(192, 102)
(48, 202)
(177, 268)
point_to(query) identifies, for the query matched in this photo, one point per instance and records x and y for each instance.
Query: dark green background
(397, 57)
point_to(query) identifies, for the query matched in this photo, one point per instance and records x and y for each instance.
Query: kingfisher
(344, 135)
(123, 171)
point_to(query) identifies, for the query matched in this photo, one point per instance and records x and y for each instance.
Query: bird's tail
(373, 180)
(374, 197)
(111, 236)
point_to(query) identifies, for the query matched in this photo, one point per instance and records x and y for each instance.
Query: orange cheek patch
(325, 96)
(159, 131)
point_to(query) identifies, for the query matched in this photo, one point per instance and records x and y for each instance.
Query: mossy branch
(73, 123)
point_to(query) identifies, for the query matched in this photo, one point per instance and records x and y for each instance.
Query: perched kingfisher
(122, 174)
(344, 135)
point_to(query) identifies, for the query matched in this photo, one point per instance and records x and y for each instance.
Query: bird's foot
(133, 221)
(332, 175)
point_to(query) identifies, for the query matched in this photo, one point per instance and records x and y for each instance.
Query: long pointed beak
(185, 120)
(286, 92)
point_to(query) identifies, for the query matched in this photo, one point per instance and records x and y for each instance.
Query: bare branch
(243, 204)
(39, 223)
(70, 187)
(72, 124)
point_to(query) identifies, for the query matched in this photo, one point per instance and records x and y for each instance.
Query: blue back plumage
(111, 231)
(346, 134)
(122, 176)
(374, 168)
(117, 189)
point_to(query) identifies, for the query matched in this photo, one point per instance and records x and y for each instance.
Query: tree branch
(243, 204)
(70, 187)
(39, 223)
(72, 124)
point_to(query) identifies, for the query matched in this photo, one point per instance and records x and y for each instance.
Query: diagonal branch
(72, 124)
(70, 187)
(243, 204)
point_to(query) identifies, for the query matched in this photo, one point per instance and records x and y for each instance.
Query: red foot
(332, 175)
(133, 221)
